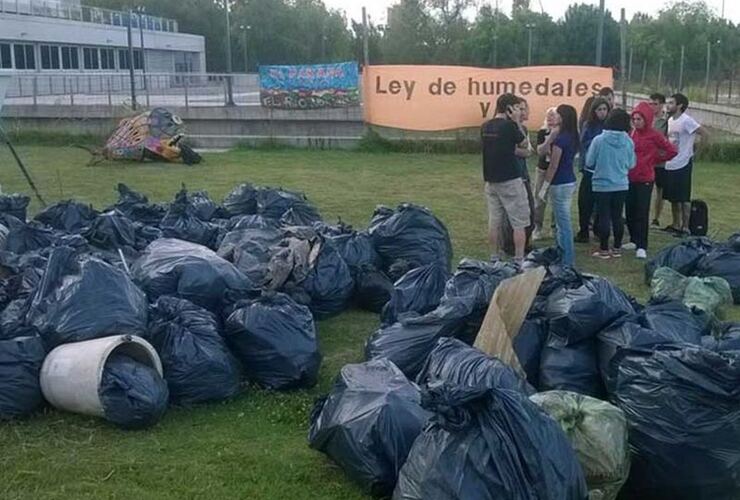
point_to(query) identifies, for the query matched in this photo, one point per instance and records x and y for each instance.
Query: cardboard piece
(508, 308)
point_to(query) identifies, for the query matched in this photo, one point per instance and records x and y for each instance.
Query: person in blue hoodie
(610, 158)
(591, 128)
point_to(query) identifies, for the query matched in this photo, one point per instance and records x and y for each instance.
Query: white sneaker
(641, 253)
(629, 246)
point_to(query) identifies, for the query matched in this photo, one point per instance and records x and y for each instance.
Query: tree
(409, 35)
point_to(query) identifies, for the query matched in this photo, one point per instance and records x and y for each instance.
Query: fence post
(644, 72)
(35, 89)
(71, 94)
(680, 70)
(709, 65)
(110, 100)
(660, 73)
(623, 55)
(146, 85)
(187, 84)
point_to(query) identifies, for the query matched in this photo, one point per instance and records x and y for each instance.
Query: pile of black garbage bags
(644, 399)
(227, 293)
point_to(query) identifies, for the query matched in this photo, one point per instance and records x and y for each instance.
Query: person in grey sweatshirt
(611, 156)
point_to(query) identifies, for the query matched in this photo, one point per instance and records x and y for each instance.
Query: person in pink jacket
(651, 148)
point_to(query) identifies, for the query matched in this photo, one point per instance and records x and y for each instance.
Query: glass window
(137, 60)
(123, 59)
(107, 59)
(70, 58)
(24, 56)
(6, 62)
(90, 58)
(50, 57)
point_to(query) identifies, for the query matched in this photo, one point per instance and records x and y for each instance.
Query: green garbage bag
(707, 294)
(598, 432)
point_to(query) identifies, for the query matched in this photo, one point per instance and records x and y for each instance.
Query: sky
(556, 8)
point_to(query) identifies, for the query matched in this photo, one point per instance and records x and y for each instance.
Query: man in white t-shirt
(682, 130)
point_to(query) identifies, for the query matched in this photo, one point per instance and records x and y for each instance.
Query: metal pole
(623, 55)
(141, 39)
(246, 54)
(644, 72)
(680, 69)
(719, 70)
(495, 50)
(660, 73)
(709, 65)
(530, 27)
(365, 42)
(600, 34)
(629, 66)
(229, 88)
(131, 61)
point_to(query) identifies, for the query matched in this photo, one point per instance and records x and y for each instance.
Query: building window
(24, 56)
(90, 58)
(6, 62)
(50, 57)
(107, 59)
(70, 58)
(138, 64)
(123, 58)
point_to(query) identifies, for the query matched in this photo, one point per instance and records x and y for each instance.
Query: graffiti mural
(310, 86)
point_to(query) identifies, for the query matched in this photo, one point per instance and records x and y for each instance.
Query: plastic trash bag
(727, 338)
(69, 215)
(275, 340)
(300, 214)
(197, 365)
(15, 205)
(20, 365)
(676, 319)
(681, 257)
(734, 242)
(189, 271)
(528, 345)
(356, 248)
(136, 206)
(598, 432)
(683, 410)
(250, 250)
(181, 221)
(457, 363)
(571, 367)
(274, 203)
(724, 263)
(373, 289)
(251, 222)
(111, 231)
(412, 234)
(242, 200)
(204, 207)
(134, 396)
(22, 238)
(13, 320)
(488, 444)
(707, 294)
(368, 422)
(418, 291)
(83, 298)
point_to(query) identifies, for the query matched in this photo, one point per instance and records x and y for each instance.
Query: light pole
(140, 10)
(600, 34)
(530, 27)
(229, 88)
(495, 50)
(131, 60)
(245, 29)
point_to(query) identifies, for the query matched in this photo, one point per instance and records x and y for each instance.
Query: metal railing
(97, 15)
(114, 89)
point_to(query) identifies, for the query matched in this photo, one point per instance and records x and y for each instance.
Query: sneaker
(602, 254)
(641, 253)
(582, 238)
(616, 252)
(629, 246)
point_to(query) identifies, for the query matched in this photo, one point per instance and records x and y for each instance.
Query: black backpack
(699, 219)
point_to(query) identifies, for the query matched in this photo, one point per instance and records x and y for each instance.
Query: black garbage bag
(242, 200)
(146, 234)
(418, 291)
(20, 365)
(682, 257)
(13, 320)
(83, 298)
(110, 231)
(250, 250)
(373, 289)
(251, 222)
(204, 207)
(368, 422)
(136, 206)
(133, 395)
(683, 410)
(408, 342)
(528, 345)
(275, 340)
(676, 319)
(410, 233)
(69, 215)
(197, 365)
(725, 263)
(543, 257)
(577, 314)
(189, 271)
(356, 248)
(727, 338)
(571, 367)
(181, 221)
(489, 444)
(734, 242)
(300, 214)
(457, 363)
(274, 203)
(15, 205)
(23, 238)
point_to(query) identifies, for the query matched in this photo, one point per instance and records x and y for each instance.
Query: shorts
(660, 177)
(677, 188)
(508, 199)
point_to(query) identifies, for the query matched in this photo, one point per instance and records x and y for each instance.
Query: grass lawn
(255, 447)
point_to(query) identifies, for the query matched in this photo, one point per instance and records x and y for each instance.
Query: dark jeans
(585, 203)
(609, 207)
(638, 212)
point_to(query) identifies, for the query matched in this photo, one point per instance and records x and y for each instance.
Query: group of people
(623, 157)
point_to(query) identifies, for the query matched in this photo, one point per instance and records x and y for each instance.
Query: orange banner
(431, 98)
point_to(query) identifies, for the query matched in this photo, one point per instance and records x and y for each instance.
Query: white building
(58, 36)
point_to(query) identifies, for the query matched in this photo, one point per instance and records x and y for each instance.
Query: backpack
(699, 219)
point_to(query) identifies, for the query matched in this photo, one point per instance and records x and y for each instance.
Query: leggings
(585, 203)
(609, 207)
(638, 212)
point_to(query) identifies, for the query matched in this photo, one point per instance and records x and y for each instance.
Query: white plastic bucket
(72, 373)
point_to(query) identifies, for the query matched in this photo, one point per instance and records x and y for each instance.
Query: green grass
(255, 447)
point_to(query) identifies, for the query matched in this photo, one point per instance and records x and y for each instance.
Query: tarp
(309, 86)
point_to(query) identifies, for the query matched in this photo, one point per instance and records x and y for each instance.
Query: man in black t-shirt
(506, 194)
